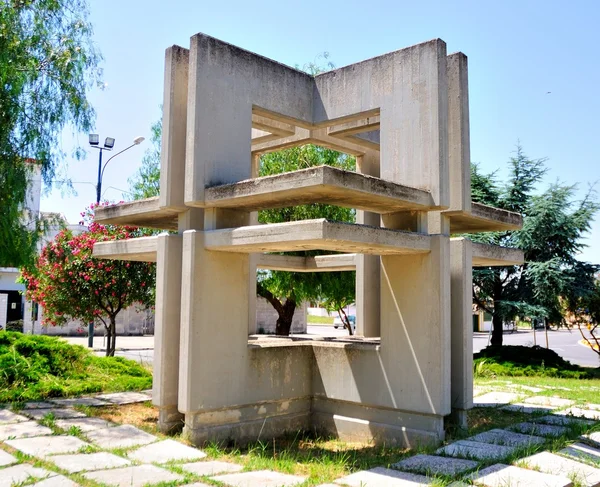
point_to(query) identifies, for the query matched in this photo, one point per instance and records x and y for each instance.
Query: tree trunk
(286, 315)
(111, 337)
(497, 331)
(346, 321)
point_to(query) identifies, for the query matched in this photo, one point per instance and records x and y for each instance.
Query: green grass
(34, 367)
(319, 320)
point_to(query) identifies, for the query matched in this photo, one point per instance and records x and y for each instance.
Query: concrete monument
(405, 116)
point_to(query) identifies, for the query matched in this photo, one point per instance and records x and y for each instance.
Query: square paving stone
(554, 402)
(493, 399)
(556, 465)
(211, 468)
(583, 451)
(166, 451)
(528, 408)
(58, 481)
(7, 416)
(85, 424)
(477, 450)
(23, 430)
(81, 401)
(560, 420)
(383, 477)
(57, 412)
(433, 465)
(38, 405)
(85, 462)
(47, 445)
(20, 473)
(133, 476)
(508, 476)
(124, 436)
(540, 429)
(581, 413)
(504, 437)
(6, 459)
(124, 397)
(593, 439)
(260, 478)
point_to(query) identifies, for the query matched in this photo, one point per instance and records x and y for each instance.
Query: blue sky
(518, 52)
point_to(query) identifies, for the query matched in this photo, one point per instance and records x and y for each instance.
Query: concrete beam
(319, 263)
(485, 255)
(141, 249)
(139, 213)
(322, 184)
(316, 235)
(483, 218)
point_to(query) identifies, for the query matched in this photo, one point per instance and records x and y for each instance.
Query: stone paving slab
(592, 438)
(57, 412)
(124, 397)
(593, 406)
(20, 473)
(166, 451)
(23, 430)
(509, 438)
(260, 478)
(549, 401)
(540, 429)
(81, 401)
(583, 451)
(434, 465)
(211, 468)
(38, 405)
(556, 465)
(199, 484)
(509, 476)
(85, 424)
(581, 413)
(561, 420)
(138, 476)
(58, 481)
(124, 436)
(47, 445)
(494, 399)
(85, 462)
(476, 450)
(6, 459)
(7, 417)
(528, 408)
(383, 477)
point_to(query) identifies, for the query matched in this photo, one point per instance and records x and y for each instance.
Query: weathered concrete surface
(80, 401)
(540, 429)
(561, 420)
(581, 413)
(138, 476)
(20, 473)
(211, 468)
(553, 464)
(166, 451)
(262, 478)
(483, 218)
(554, 402)
(142, 249)
(56, 481)
(508, 476)
(433, 465)
(582, 451)
(509, 438)
(124, 397)
(383, 477)
(477, 450)
(486, 255)
(528, 408)
(124, 436)
(494, 399)
(6, 459)
(47, 445)
(38, 405)
(7, 417)
(141, 213)
(84, 424)
(592, 438)
(56, 412)
(22, 430)
(88, 462)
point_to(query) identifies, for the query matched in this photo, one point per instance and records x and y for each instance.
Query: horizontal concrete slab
(483, 218)
(141, 249)
(139, 213)
(319, 263)
(323, 184)
(316, 235)
(485, 255)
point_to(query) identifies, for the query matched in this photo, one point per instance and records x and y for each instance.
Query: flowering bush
(70, 284)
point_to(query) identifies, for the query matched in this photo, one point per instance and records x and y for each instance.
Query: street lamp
(109, 144)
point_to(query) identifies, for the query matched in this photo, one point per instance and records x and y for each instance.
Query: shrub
(15, 326)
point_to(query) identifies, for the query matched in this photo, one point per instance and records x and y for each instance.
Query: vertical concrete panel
(414, 121)
(214, 326)
(367, 266)
(461, 258)
(459, 155)
(172, 156)
(167, 330)
(415, 328)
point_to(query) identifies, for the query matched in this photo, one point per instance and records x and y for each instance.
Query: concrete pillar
(166, 332)
(367, 266)
(461, 290)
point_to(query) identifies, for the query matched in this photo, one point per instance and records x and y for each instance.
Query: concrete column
(253, 220)
(461, 290)
(166, 332)
(367, 266)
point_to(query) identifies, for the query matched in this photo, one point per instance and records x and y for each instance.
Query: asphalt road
(564, 342)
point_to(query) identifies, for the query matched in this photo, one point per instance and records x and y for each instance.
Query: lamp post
(109, 144)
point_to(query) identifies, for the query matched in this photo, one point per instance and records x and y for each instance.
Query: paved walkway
(77, 447)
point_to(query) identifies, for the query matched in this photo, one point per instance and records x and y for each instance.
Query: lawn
(319, 320)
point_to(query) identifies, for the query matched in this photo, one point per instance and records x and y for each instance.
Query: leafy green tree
(340, 292)
(72, 285)
(554, 224)
(47, 65)
(146, 182)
